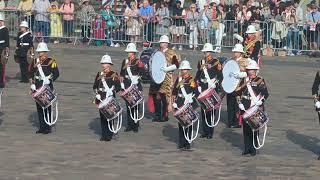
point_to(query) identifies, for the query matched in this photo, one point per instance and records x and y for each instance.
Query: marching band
(192, 100)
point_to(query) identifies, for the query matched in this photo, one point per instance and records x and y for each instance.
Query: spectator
(12, 5)
(243, 17)
(162, 18)
(192, 21)
(55, 22)
(146, 15)
(279, 30)
(293, 32)
(178, 28)
(132, 22)
(108, 16)
(313, 21)
(220, 29)
(40, 8)
(25, 7)
(119, 7)
(2, 5)
(86, 13)
(203, 24)
(200, 4)
(99, 28)
(67, 9)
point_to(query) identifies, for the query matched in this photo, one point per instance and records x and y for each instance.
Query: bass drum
(145, 57)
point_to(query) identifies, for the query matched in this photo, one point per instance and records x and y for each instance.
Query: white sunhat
(131, 47)
(207, 47)
(106, 59)
(238, 48)
(251, 29)
(252, 65)
(185, 65)
(164, 39)
(24, 24)
(42, 47)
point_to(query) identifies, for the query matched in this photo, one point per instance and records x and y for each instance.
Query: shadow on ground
(305, 142)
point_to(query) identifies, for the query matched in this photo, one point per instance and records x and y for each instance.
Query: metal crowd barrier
(98, 30)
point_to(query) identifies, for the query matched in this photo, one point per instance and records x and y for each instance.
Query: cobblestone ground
(73, 150)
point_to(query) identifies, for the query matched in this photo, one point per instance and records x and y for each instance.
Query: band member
(4, 46)
(112, 81)
(252, 44)
(161, 93)
(131, 70)
(183, 91)
(24, 45)
(252, 91)
(315, 94)
(43, 71)
(232, 106)
(210, 79)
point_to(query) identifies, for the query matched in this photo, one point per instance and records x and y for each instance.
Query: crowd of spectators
(284, 24)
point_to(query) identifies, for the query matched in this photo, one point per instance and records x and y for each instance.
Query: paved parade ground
(73, 150)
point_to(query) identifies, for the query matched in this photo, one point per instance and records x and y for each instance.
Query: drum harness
(107, 89)
(135, 116)
(186, 135)
(255, 98)
(212, 114)
(46, 117)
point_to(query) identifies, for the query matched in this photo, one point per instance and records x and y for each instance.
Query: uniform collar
(166, 49)
(2, 27)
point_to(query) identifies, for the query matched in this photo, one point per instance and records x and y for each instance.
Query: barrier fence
(188, 32)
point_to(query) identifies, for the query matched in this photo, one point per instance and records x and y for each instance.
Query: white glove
(212, 84)
(46, 81)
(317, 104)
(259, 103)
(98, 97)
(239, 75)
(175, 106)
(33, 87)
(122, 85)
(135, 80)
(169, 68)
(188, 99)
(199, 89)
(241, 107)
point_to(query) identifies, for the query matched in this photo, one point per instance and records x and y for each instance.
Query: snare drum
(256, 118)
(110, 108)
(132, 95)
(44, 96)
(186, 115)
(209, 99)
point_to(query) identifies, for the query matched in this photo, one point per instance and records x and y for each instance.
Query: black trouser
(232, 107)
(43, 126)
(23, 68)
(105, 131)
(248, 139)
(207, 131)
(2, 75)
(182, 140)
(160, 106)
(319, 117)
(85, 32)
(130, 122)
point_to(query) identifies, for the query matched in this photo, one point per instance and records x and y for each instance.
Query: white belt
(246, 97)
(2, 41)
(40, 78)
(24, 44)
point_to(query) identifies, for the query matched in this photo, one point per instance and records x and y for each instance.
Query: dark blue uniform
(112, 79)
(24, 43)
(49, 67)
(4, 46)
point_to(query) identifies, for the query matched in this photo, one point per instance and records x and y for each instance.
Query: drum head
(229, 82)
(158, 60)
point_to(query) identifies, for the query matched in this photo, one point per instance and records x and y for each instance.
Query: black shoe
(39, 132)
(128, 130)
(105, 139)
(136, 130)
(180, 147)
(187, 147)
(236, 126)
(165, 119)
(209, 137)
(319, 158)
(253, 153)
(203, 136)
(245, 153)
